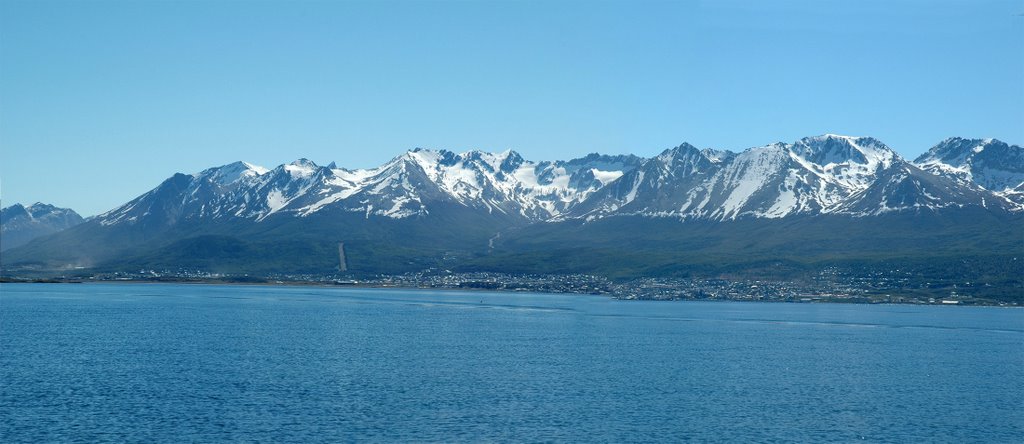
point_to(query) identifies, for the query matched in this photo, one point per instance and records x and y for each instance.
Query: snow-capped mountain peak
(716, 155)
(232, 172)
(988, 163)
(301, 168)
(830, 149)
(954, 151)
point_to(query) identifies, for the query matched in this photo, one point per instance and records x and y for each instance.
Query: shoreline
(609, 295)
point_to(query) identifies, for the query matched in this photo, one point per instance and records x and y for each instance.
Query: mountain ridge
(820, 173)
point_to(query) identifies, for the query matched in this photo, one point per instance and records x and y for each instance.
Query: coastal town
(829, 285)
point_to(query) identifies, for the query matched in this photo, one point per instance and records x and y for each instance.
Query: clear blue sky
(101, 101)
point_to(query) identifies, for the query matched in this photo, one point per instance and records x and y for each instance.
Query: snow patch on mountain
(275, 201)
(749, 173)
(605, 177)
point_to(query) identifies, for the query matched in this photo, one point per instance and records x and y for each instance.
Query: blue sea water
(180, 363)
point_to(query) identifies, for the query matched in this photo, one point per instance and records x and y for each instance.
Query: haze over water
(246, 363)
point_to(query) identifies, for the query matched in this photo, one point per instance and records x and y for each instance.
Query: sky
(100, 101)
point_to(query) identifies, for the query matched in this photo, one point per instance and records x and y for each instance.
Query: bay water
(207, 363)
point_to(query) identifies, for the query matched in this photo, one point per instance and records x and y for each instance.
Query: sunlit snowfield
(181, 363)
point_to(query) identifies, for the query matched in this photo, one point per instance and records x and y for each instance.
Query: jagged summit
(40, 210)
(20, 224)
(987, 163)
(15, 210)
(833, 149)
(957, 150)
(231, 173)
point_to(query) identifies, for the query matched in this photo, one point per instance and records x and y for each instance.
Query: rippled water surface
(174, 363)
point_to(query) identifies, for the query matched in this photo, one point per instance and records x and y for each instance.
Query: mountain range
(819, 200)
